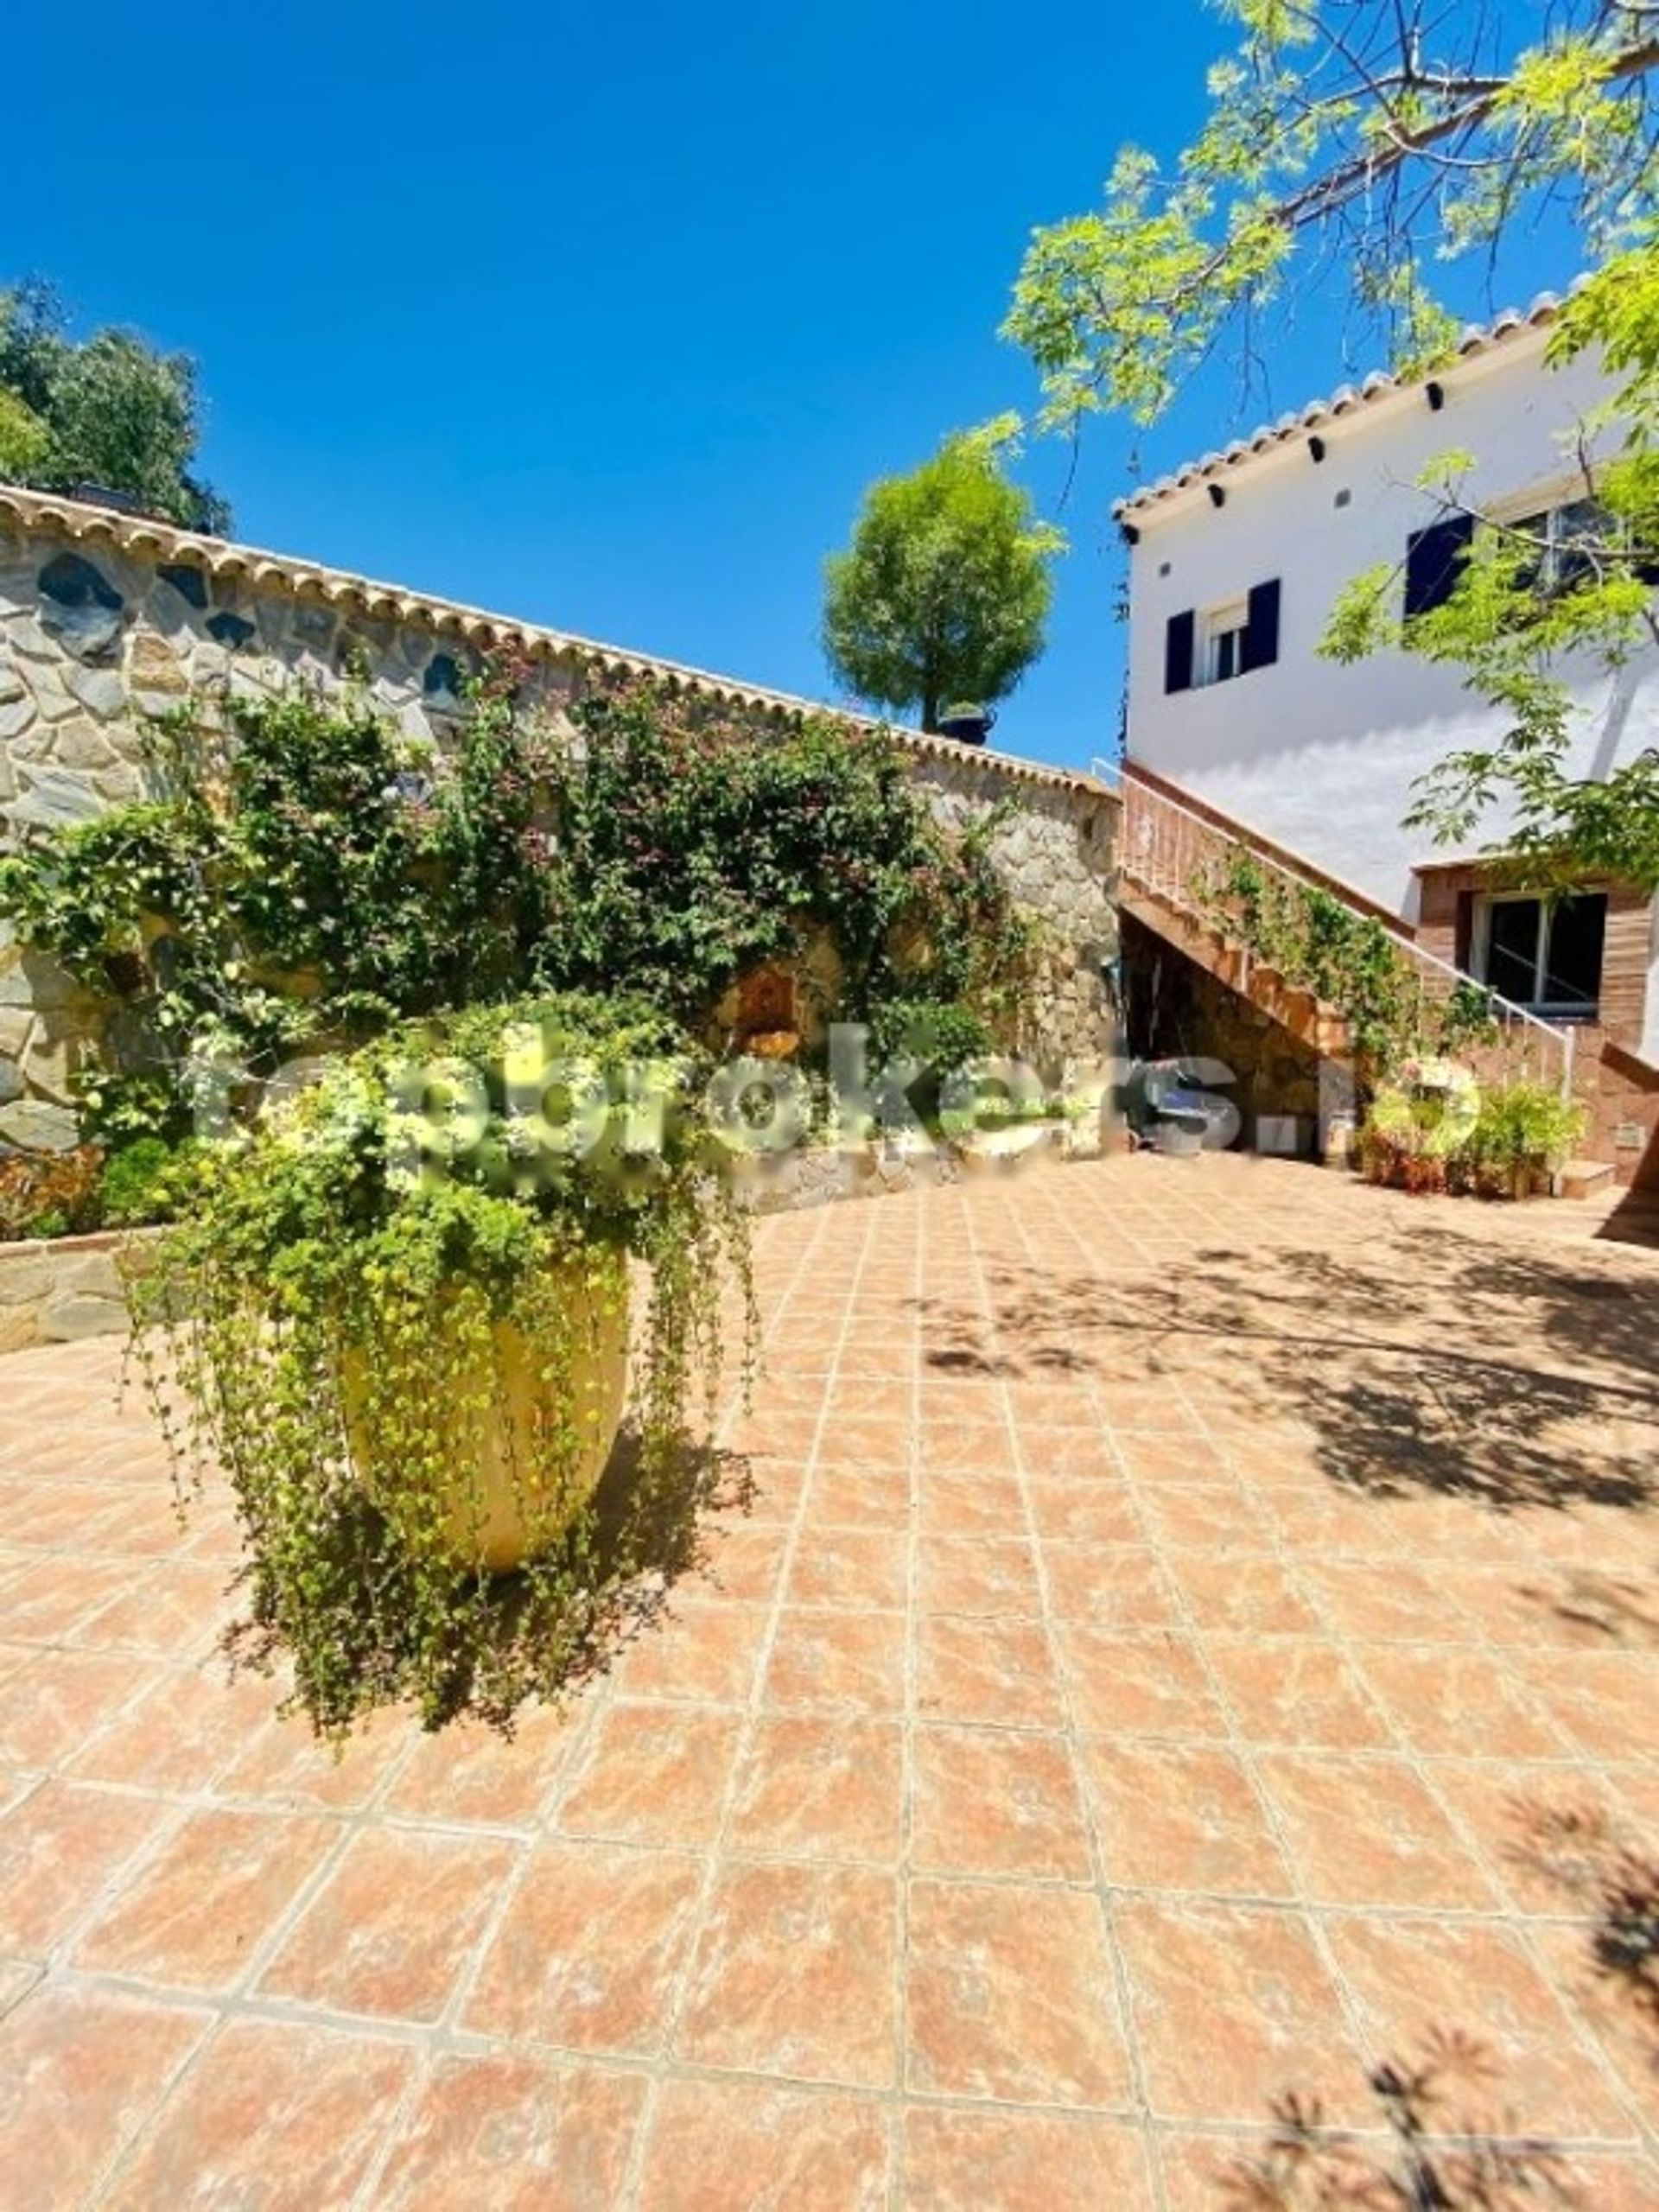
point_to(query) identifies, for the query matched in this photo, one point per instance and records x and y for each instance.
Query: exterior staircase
(1173, 851)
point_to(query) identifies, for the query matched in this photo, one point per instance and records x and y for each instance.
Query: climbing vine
(691, 846)
(1348, 960)
(302, 873)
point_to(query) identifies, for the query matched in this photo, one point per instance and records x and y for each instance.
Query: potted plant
(399, 1314)
(1523, 1136)
(1418, 1123)
(967, 721)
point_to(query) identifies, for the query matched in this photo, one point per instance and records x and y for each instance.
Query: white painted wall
(1321, 758)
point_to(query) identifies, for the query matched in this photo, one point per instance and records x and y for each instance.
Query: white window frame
(1481, 946)
(1231, 619)
(1545, 504)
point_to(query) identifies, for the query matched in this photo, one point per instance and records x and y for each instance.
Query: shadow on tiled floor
(1194, 1633)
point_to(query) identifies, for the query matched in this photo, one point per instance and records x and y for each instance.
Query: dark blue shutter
(1180, 640)
(1261, 630)
(1434, 560)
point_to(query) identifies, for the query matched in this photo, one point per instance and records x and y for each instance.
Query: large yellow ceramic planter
(483, 1522)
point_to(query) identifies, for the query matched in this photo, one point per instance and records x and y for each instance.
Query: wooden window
(1261, 630)
(1222, 642)
(1543, 954)
(1434, 560)
(1554, 539)
(1179, 640)
(1226, 630)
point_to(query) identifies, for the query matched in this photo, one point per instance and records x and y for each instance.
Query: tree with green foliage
(1349, 145)
(945, 592)
(24, 439)
(109, 410)
(1528, 615)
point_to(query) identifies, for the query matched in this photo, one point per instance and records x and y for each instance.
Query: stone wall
(57, 1292)
(1056, 851)
(1178, 1010)
(104, 618)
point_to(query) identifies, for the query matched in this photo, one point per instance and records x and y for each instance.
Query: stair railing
(1169, 851)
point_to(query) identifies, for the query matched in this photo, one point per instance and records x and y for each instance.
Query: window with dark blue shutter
(1434, 560)
(1261, 631)
(1181, 640)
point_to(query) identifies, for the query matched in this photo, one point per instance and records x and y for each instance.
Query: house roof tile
(1477, 339)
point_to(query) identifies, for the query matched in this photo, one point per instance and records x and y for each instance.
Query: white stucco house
(1236, 564)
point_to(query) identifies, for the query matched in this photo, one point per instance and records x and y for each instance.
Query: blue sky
(605, 317)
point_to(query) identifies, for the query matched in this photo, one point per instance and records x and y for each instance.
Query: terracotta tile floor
(1196, 1632)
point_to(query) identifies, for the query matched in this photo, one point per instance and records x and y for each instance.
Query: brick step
(1580, 1178)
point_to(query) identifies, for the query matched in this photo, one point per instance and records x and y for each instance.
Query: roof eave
(1151, 503)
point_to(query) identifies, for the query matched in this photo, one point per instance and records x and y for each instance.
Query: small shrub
(49, 1194)
(141, 1182)
(943, 1037)
(1525, 1133)
(1429, 1129)
(1419, 1123)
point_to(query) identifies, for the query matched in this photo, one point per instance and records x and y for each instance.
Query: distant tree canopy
(108, 410)
(1350, 150)
(944, 594)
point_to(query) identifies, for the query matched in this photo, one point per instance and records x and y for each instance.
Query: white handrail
(1142, 843)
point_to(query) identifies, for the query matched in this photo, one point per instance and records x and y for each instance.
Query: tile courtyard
(1191, 1635)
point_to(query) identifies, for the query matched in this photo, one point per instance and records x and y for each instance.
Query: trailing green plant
(341, 1316)
(1350, 961)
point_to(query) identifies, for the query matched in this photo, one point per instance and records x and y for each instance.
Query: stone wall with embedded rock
(1056, 848)
(105, 620)
(56, 1292)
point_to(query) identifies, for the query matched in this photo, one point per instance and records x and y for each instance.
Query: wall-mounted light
(1217, 496)
(1435, 394)
(1316, 447)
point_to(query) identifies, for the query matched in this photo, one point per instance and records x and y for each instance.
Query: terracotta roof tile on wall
(1347, 400)
(32, 513)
